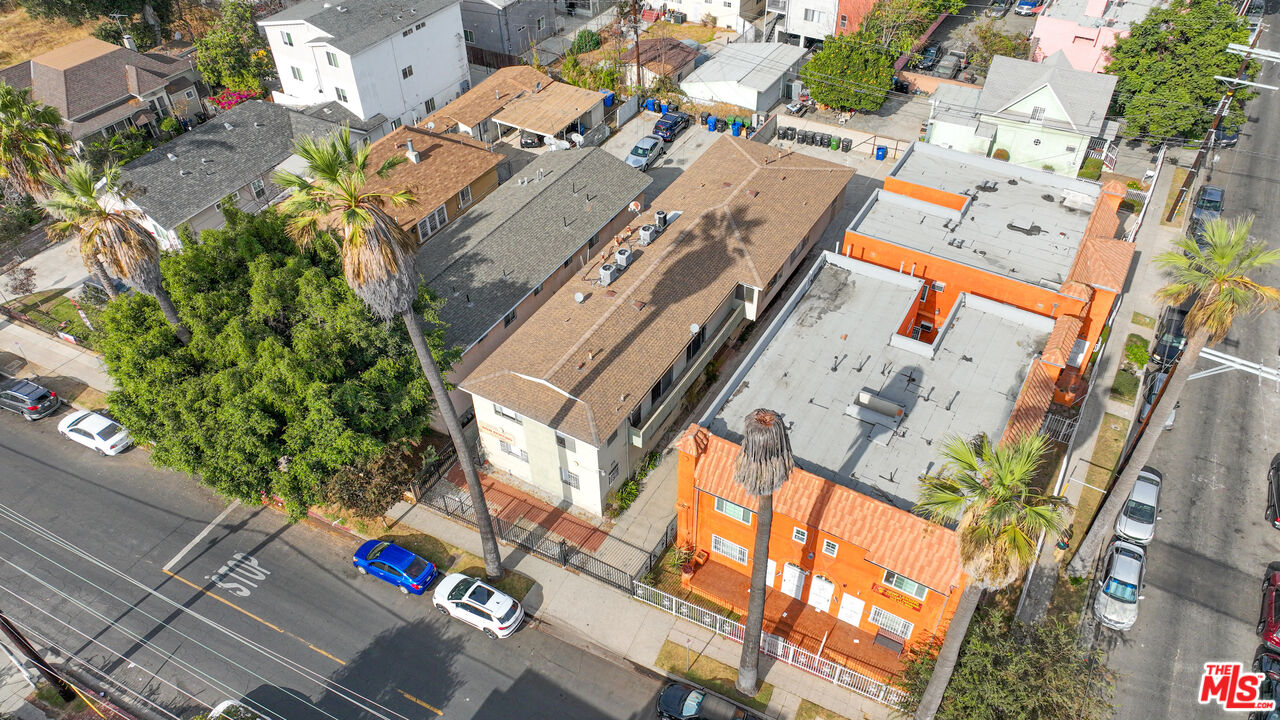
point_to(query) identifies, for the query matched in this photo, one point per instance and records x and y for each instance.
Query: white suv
(478, 604)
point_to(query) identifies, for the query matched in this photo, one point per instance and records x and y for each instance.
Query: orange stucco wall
(924, 193)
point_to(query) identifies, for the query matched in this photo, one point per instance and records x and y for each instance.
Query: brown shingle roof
(1033, 402)
(728, 232)
(551, 110)
(893, 538)
(447, 163)
(662, 55)
(493, 93)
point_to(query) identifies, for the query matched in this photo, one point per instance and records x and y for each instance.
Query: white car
(1117, 603)
(1137, 521)
(646, 152)
(479, 604)
(96, 432)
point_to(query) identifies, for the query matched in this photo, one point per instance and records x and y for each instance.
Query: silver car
(1117, 603)
(1137, 521)
(646, 152)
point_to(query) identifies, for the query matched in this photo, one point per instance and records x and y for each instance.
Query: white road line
(216, 521)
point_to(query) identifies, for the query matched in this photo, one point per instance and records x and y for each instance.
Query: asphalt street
(1212, 544)
(115, 562)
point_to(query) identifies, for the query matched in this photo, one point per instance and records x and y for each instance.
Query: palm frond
(764, 464)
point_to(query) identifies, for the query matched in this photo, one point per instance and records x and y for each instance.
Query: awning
(143, 117)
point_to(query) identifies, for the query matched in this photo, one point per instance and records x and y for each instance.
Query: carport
(553, 112)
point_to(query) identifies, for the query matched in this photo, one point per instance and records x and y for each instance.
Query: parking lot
(688, 146)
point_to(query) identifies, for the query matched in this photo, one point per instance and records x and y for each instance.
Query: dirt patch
(1179, 175)
(697, 33)
(702, 670)
(812, 711)
(24, 37)
(1106, 455)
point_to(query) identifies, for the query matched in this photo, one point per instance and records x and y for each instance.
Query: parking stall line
(207, 528)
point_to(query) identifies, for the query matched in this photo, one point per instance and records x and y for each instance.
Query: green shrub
(585, 41)
(1048, 167)
(171, 125)
(1092, 169)
(1132, 184)
(627, 494)
(1001, 154)
(1135, 350)
(16, 220)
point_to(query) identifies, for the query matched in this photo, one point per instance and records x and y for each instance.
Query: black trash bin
(846, 145)
(721, 125)
(704, 115)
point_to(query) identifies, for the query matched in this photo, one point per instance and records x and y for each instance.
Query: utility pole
(15, 636)
(635, 21)
(1224, 105)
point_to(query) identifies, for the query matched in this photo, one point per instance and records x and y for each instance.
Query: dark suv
(31, 400)
(670, 125)
(1209, 203)
(1171, 336)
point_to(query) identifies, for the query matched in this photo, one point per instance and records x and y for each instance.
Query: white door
(850, 610)
(770, 569)
(792, 580)
(820, 592)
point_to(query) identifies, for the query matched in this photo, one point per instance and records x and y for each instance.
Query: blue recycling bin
(608, 97)
(711, 123)
(882, 152)
(664, 108)
(737, 129)
(648, 104)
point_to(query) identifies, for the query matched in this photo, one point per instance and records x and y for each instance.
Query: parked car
(1273, 493)
(1222, 138)
(232, 710)
(1155, 381)
(952, 64)
(96, 432)
(670, 125)
(1268, 664)
(646, 152)
(1269, 613)
(26, 397)
(679, 701)
(1209, 203)
(530, 140)
(1123, 568)
(1029, 7)
(929, 57)
(91, 285)
(1171, 335)
(479, 604)
(997, 8)
(392, 563)
(1137, 521)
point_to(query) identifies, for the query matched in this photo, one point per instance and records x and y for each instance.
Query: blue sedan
(396, 565)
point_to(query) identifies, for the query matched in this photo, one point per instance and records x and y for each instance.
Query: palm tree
(379, 261)
(987, 490)
(763, 466)
(113, 238)
(33, 142)
(1217, 276)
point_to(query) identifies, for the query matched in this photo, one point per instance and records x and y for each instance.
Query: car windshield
(640, 151)
(376, 551)
(108, 432)
(510, 613)
(416, 568)
(1140, 511)
(460, 590)
(1211, 204)
(692, 703)
(1171, 338)
(1121, 590)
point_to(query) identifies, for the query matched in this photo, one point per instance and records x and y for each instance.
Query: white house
(755, 76)
(394, 59)
(1046, 116)
(733, 14)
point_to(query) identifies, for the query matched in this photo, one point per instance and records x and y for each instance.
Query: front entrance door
(770, 570)
(850, 609)
(820, 592)
(792, 580)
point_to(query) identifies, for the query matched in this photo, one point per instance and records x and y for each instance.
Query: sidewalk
(77, 375)
(587, 613)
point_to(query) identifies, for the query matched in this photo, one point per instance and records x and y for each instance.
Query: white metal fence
(773, 646)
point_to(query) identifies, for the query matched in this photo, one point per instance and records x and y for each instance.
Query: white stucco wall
(957, 137)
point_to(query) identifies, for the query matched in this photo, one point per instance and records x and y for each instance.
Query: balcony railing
(777, 6)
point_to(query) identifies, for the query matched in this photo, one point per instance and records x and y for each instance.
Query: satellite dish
(576, 138)
(431, 126)
(579, 297)
(693, 329)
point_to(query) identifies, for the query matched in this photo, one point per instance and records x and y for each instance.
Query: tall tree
(988, 490)
(33, 143)
(849, 73)
(1218, 277)
(379, 261)
(1165, 68)
(763, 466)
(233, 54)
(117, 236)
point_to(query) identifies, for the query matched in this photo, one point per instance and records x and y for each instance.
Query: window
(506, 448)
(542, 23)
(296, 72)
(286, 38)
(890, 623)
(469, 36)
(464, 197)
(695, 343)
(829, 548)
(537, 289)
(430, 105)
(508, 414)
(730, 550)
(407, 33)
(844, 21)
(591, 241)
(420, 25)
(567, 261)
(612, 437)
(259, 188)
(565, 442)
(636, 417)
(396, 123)
(1037, 113)
(569, 479)
(332, 58)
(190, 94)
(924, 293)
(340, 93)
(406, 73)
(811, 15)
(910, 587)
(799, 534)
(510, 318)
(737, 512)
(432, 223)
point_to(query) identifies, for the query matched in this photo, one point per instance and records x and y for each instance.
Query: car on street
(1273, 493)
(1123, 568)
(646, 152)
(1155, 381)
(1268, 664)
(478, 604)
(232, 710)
(1269, 613)
(1209, 203)
(997, 8)
(1137, 520)
(929, 57)
(96, 432)
(396, 565)
(679, 701)
(1029, 7)
(1222, 138)
(670, 125)
(1171, 335)
(27, 398)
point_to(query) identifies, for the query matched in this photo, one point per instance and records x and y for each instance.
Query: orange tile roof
(1065, 331)
(1103, 260)
(493, 93)
(1033, 402)
(893, 538)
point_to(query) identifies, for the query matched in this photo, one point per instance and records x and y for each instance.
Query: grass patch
(665, 576)
(1068, 597)
(1106, 455)
(1125, 387)
(811, 711)
(1145, 321)
(1179, 175)
(48, 696)
(710, 673)
(24, 37)
(449, 559)
(697, 33)
(55, 312)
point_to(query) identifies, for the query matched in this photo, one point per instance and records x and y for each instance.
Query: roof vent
(413, 155)
(541, 173)
(184, 173)
(579, 298)
(537, 87)
(877, 404)
(622, 257)
(648, 233)
(228, 126)
(608, 273)
(1026, 227)
(172, 157)
(259, 124)
(342, 8)
(205, 161)
(328, 5)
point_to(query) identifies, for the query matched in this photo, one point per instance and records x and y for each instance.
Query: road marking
(411, 698)
(313, 647)
(241, 570)
(216, 521)
(221, 600)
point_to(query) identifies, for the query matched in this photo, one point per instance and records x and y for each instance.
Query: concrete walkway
(78, 376)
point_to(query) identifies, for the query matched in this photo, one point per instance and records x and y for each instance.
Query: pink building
(1083, 30)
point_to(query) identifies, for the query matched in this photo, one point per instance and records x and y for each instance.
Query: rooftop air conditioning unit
(608, 273)
(660, 219)
(648, 233)
(622, 257)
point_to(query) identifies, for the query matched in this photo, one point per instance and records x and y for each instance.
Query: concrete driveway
(688, 146)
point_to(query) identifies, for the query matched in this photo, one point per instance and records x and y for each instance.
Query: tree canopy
(1166, 68)
(77, 11)
(233, 54)
(849, 74)
(288, 379)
